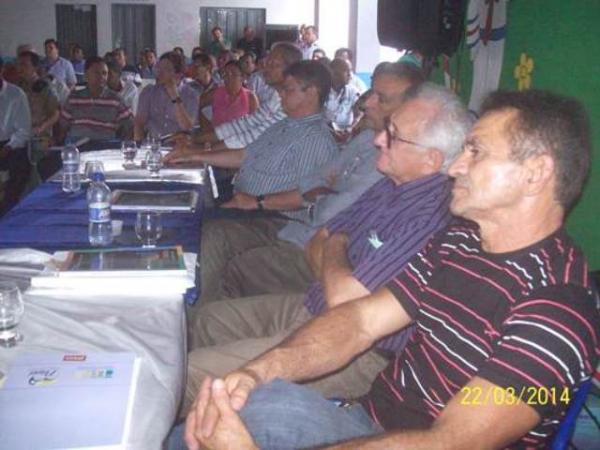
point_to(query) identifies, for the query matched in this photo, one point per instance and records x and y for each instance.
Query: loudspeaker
(428, 26)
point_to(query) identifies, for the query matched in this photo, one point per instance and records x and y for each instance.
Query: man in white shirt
(348, 55)
(15, 131)
(310, 38)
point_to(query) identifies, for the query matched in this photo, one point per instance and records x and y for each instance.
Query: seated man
(502, 307)
(128, 71)
(170, 105)
(262, 256)
(201, 74)
(125, 89)
(289, 150)
(348, 55)
(45, 112)
(95, 112)
(15, 130)
(242, 132)
(58, 66)
(342, 97)
(359, 251)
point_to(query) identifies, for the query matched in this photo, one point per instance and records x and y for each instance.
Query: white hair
(447, 129)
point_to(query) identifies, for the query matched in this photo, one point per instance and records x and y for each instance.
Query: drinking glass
(92, 167)
(148, 228)
(154, 162)
(11, 310)
(129, 150)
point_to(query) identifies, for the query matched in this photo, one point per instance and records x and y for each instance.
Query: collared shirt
(358, 83)
(307, 50)
(284, 154)
(147, 72)
(43, 103)
(386, 226)
(78, 66)
(353, 172)
(158, 112)
(215, 47)
(15, 118)
(130, 73)
(257, 84)
(103, 117)
(129, 95)
(338, 108)
(241, 132)
(61, 69)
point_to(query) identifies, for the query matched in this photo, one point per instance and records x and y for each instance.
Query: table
(49, 219)
(151, 326)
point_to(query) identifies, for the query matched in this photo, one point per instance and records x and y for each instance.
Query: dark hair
(289, 52)
(235, 63)
(178, 48)
(76, 47)
(33, 57)
(93, 60)
(51, 41)
(312, 27)
(148, 50)
(548, 123)
(114, 67)
(312, 73)
(402, 70)
(319, 50)
(249, 54)
(118, 50)
(216, 28)
(176, 59)
(341, 50)
(203, 59)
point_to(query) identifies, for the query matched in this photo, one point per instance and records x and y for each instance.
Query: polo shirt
(284, 154)
(386, 226)
(102, 117)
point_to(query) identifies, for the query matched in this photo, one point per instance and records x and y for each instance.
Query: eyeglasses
(392, 137)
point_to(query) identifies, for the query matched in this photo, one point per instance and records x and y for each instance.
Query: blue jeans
(282, 415)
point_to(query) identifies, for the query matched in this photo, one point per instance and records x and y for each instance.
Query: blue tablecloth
(49, 219)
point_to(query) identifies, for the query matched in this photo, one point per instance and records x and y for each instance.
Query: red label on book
(74, 358)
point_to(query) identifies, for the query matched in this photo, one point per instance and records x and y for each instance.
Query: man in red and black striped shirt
(506, 327)
(96, 112)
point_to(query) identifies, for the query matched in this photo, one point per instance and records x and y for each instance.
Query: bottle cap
(98, 176)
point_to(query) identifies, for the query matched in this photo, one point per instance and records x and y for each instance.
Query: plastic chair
(567, 426)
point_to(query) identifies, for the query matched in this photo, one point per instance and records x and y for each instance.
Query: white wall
(32, 21)
(334, 25)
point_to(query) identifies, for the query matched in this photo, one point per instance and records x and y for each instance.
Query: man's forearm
(339, 283)
(413, 440)
(183, 118)
(283, 201)
(319, 347)
(227, 159)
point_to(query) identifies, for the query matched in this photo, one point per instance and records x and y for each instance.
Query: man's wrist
(176, 100)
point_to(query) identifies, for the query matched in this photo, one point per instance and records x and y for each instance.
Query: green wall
(563, 38)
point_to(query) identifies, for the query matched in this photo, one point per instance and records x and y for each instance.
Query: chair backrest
(567, 426)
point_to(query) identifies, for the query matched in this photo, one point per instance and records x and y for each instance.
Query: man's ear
(540, 171)
(434, 160)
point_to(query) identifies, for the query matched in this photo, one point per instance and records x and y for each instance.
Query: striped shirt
(102, 117)
(284, 154)
(386, 226)
(241, 132)
(521, 320)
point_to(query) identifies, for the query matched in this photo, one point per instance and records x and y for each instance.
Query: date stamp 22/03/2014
(529, 395)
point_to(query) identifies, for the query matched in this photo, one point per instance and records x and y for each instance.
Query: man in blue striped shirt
(358, 251)
(290, 149)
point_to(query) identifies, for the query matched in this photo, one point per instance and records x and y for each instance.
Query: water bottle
(98, 198)
(71, 181)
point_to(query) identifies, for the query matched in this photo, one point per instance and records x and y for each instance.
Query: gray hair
(447, 129)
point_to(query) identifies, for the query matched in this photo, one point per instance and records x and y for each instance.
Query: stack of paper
(52, 401)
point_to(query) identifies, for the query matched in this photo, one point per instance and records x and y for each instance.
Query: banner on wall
(485, 36)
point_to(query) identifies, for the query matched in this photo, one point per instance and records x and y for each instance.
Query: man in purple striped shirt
(358, 251)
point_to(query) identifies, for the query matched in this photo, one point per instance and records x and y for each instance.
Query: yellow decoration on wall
(523, 72)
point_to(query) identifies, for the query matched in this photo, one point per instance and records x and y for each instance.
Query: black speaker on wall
(431, 27)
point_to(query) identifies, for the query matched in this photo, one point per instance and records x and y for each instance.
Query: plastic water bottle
(98, 198)
(71, 181)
